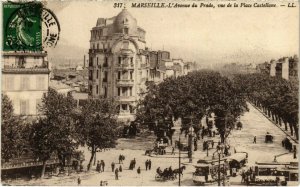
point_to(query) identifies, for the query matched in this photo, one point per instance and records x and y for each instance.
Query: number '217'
(118, 5)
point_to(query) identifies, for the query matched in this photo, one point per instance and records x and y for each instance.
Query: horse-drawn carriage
(168, 174)
(269, 138)
(163, 176)
(159, 149)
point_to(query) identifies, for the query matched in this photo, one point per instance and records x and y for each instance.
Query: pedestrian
(134, 162)
(78, 181)
(101, 183)
(120, 168)
(103, 165)
(138, 171)
(173, 151)
(146, 164)
(98, 166)
(112, 167)
(117, 174)
(120, 159)
(254, 140)
(149, 164)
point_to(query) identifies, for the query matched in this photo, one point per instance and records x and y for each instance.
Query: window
(40, 82)
(131, 75)
(105, 92)
(105, 76)
(97, 74)
(24, 107)
(119, 91)
(124, 91)
(130, 91)
(24, 83)
(124, 107)
(120, 60)
(9, 82)
(97, 61)
(126, 30)
(91, 75)
(105, 62)
(125, 45)
(131, 60)
(91, 88)
(97, 46)
(91, 61)
(119, 75)
(97, 89)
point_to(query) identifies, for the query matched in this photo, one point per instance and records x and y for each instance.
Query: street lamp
(179, 156)
(191, 129)
(219, 168)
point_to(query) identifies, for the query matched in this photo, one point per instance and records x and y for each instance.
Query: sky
(204, 35)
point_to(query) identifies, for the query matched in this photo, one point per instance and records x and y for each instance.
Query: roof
(57, 85)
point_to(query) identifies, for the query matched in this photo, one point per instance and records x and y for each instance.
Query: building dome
(124, 20)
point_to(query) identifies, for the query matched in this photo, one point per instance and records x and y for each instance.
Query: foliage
(193, 96)
(11, 131)
(276, 95)
(97, 124)
(53, 133)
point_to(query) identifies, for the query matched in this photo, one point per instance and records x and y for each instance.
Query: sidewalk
(277, 125)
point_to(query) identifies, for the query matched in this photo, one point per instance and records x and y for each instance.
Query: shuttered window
(24, 83)
(24, 107)
(9, 83)
(40, 83)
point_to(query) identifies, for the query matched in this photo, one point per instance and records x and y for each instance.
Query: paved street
(254, 124)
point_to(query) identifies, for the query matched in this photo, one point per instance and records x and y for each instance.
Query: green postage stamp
(28, 27)
(22, 28)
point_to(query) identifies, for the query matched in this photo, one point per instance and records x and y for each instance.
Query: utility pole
(219, 177)
(179, 157)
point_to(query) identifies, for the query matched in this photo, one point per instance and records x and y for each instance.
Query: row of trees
(192, 96)
(60, 129)
(277, 97)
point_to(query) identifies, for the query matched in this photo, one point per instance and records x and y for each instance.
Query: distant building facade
(120, 64)
(286, 67)
(25, 78)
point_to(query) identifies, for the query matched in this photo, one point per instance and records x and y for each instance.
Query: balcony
(99, 51)
(126, 52)
(126, 98)
(125, 66)
(125, 82)
(23, 70)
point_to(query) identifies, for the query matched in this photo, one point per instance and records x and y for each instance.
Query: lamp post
(191, 144)
(219, 168)
(179, 156)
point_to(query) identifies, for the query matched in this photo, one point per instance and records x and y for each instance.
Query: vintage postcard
(150, 93)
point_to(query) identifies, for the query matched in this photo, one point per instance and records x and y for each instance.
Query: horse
(179, 171)
(148, 152)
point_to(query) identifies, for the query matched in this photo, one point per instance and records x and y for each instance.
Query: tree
(277, 97)
(97, 124)
(54, 132)
(11, 131)
(192, 96)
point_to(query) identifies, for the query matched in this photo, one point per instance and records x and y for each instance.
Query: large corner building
(120, 63)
